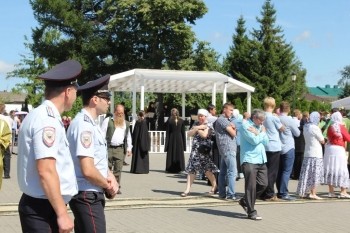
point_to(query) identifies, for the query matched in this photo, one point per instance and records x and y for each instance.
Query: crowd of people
(79, 162)
(269, 147)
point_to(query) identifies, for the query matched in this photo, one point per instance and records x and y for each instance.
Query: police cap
(98, 87)
(63, 74)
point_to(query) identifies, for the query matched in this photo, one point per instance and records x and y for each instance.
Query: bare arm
(51, 185)
(196, 129)
(231, 129)
(90, 172)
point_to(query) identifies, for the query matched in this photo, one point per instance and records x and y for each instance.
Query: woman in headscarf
(336, 173)
(311, 174)
(200, 160)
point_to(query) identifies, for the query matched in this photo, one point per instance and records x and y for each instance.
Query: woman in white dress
(335, 161)
(312, 173)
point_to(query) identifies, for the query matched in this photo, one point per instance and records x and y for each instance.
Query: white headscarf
(337, 120)
(203, 112)
(314, 119)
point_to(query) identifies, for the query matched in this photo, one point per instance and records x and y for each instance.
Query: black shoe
(125, 163)
(242, 203)
(7, 177)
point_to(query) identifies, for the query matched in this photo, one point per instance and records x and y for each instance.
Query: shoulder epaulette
(50, 112)
(86, 118)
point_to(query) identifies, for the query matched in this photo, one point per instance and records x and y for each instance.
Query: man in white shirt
(118, 137)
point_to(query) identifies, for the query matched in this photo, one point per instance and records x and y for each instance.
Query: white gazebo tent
(342, 103)
(176, 81)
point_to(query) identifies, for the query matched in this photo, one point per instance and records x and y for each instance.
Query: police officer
(89, 152)
(45, 168)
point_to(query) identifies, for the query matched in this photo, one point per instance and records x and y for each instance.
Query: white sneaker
(332, 195)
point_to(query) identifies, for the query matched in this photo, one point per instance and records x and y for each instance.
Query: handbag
(204, 147)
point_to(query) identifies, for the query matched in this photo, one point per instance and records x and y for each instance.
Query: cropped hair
(284, 106)
(269, 102)
(258, 113)
(226, 105)
(210, 107)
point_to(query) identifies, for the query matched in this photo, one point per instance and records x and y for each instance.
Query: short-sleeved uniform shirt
(42, 135)
(87, 139)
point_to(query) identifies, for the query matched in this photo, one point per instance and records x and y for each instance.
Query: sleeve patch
(86, 139)
(49, 136)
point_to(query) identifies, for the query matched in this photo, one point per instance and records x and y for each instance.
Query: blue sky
(317, 29)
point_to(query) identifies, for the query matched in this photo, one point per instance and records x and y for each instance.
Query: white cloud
(304, 36)
(5, 67)
(217, 35)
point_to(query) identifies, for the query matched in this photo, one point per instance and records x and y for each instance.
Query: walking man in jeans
(226, 142)
(253, 160)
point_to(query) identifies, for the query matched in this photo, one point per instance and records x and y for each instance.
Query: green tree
(240, 58)
(239, 105)
(345, 73)
(202, 58)
(265, 61)
(276, 59)
(346, 91)
(29, 68)
(113, 36)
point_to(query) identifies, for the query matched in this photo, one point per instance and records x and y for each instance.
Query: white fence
(158, 141)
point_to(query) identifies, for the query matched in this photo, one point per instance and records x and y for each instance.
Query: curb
(8, 209)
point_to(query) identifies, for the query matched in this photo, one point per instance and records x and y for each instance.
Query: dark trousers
(37, 215)
(238, 160)
(298, 161)
(255, 182)
(273, 162)
(88, 210)
(7, 162)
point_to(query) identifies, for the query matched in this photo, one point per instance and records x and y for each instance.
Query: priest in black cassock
(175, 143)
(140, 146)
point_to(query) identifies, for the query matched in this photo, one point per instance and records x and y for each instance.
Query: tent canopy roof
(342, 103)
(175, 81)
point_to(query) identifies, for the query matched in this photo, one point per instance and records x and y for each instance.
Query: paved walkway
(151, 203)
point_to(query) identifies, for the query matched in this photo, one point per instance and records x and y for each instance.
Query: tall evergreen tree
(239, 59)
(265, 60)
(276, 59)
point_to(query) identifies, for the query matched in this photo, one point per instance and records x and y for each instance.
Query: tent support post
(134, 102)
(249, 102)
(213, 95)
(112, 102)
(142, 97)
(224, 94)
(183, 105)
